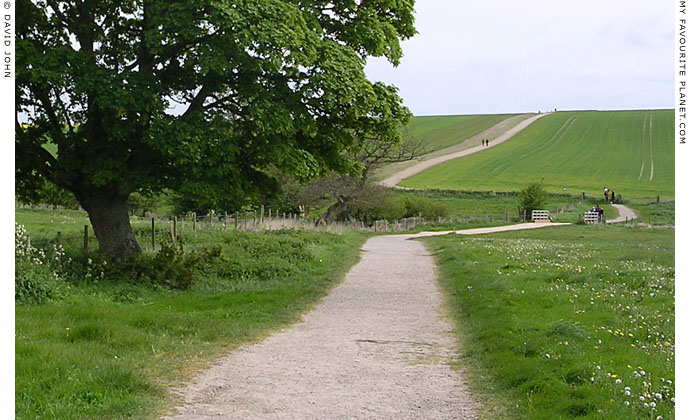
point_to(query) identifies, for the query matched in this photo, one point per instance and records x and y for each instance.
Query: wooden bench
(541, 216)
(592, 217)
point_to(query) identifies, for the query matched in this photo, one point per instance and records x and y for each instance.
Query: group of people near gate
(599, 211)
(609, 196)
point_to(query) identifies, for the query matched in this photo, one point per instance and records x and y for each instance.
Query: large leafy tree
(258, 83)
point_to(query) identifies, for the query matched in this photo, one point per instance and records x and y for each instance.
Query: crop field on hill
(439, 132)
(628, 151)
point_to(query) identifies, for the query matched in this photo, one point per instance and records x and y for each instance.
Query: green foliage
(582, 151)
(48, 193)
(429, 209)
(390, 207)
(264, 84)
(171, 267)
(532, 197)
(37, 274)
(34, 283)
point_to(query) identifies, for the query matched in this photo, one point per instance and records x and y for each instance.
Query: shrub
(370, 211)
(37, 276)
(34, 283)
(171, 267)
(533, 197)
(429, 209)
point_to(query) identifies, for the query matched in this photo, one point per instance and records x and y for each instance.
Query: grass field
(111, 349)
(567, 322)
(441, 135)
(630, 152)
(439, 132)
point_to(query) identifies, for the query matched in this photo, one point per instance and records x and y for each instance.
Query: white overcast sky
(476, 57)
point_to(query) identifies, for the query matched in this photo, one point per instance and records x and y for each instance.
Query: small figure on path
(613, 197)
(487, 142)
(606, 194)
(600, 213)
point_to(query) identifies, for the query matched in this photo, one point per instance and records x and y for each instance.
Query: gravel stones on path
(377, 347)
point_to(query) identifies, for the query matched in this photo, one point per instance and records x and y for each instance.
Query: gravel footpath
(624, 214)
(377, 347)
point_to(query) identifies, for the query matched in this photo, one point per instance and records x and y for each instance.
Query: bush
(372, 210)
(37, 277)
(429, 209)
(34, 283)
(171, 267)
(395, 208)
(533, 197)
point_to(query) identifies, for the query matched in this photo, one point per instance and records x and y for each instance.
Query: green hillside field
(439, 132)
(630, 152)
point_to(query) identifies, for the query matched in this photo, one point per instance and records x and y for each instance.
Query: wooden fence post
(261, 220)
(153, 233)
(28, 242)
(86, 238)
(235, 220)
(269, 215)
(194, 221)
(59, 238)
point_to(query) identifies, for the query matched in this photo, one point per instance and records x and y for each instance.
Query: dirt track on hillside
(377, 347)
(446, 154)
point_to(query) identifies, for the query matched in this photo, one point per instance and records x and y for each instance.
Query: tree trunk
(110, 220)
(332, 212)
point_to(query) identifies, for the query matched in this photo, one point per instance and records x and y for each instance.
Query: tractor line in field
(651, 151)
(644, 132)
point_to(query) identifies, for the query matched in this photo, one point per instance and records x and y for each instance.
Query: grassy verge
(111, 349)
(656, 214)
(488, 208)
(569, 322)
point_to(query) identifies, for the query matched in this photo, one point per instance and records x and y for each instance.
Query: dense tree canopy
(257, 83)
